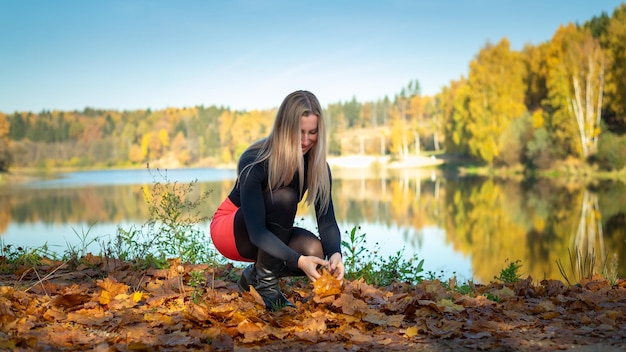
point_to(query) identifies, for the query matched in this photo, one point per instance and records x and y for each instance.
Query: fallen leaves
(127, 311)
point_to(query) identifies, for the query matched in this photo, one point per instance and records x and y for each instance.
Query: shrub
(539, 151)
(611, 155)
(170, 232)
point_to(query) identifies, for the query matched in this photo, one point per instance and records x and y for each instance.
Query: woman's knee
(306, 243)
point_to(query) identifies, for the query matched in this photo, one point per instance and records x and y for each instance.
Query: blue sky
(249, 54)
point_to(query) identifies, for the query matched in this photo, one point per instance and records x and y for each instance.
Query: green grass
(362, 262)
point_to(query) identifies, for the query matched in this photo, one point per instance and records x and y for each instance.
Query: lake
(471, 227)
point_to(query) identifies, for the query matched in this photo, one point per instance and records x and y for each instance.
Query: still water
(470, 227)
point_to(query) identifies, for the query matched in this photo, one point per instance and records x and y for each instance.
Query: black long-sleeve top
(248, 195)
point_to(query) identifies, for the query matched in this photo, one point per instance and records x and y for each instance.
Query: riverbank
(381, 162)
(571, 170)
(348, 163)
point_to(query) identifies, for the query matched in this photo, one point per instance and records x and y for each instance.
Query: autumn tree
(455, 109)
(575, 83)
(614, 42)
(403, 117)
(179, 148)
(5, 152)
(588, 84)
(535, 60)
(497, 90)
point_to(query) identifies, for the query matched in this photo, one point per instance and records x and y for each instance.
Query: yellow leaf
(137, 296)
(105, 298)
(326, 285)
(411, 331)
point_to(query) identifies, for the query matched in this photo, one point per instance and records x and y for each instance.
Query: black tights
(280, 209)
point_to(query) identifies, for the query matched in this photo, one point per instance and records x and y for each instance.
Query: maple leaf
(70, 300)
(448, 306)
(350, 305)
(252, 332)
(326, 285)
(257, 297)
(113, 287)
(197, 312)
(105, 298)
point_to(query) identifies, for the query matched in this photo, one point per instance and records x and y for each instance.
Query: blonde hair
(282, 149)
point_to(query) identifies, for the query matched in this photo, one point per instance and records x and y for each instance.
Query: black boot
(267, 282)
(248, 277)
(266, 274)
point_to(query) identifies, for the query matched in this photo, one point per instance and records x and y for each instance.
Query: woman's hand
(335, 265)
(309, 264)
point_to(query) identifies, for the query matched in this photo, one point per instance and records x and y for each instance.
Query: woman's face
(308, 131)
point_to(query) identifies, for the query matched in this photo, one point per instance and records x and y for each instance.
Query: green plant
(492, 297)
(171, 231)
(583, 266)
(361, 262)
(12, 257)
(510, 274)
(198, 282)
(609, 269)
(467, 288)
(353, 248)
(74, 253)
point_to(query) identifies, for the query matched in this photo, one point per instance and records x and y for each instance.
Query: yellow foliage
(164, 137)
(326, 285)
(537, 118)
(4, 126)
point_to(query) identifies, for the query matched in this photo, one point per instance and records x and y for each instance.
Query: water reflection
(469, 225)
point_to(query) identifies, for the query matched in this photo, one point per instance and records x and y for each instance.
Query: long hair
(281, 148)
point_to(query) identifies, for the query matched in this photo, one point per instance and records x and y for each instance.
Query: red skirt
(223, 231)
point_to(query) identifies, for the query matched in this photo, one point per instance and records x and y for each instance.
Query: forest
(557, 102)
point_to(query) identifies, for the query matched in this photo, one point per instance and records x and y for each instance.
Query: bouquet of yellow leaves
(326, 285)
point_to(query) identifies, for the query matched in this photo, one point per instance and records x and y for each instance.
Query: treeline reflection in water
(468, 226)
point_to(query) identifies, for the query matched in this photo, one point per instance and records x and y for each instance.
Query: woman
(255, 222)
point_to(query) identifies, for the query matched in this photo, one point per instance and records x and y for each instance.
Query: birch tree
(575, 84)
(587, 79)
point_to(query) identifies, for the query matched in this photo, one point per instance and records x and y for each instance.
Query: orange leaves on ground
(158, 312)
(115, 294)
(112, 288)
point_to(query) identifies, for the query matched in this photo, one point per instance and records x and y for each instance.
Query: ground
(107, 305)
